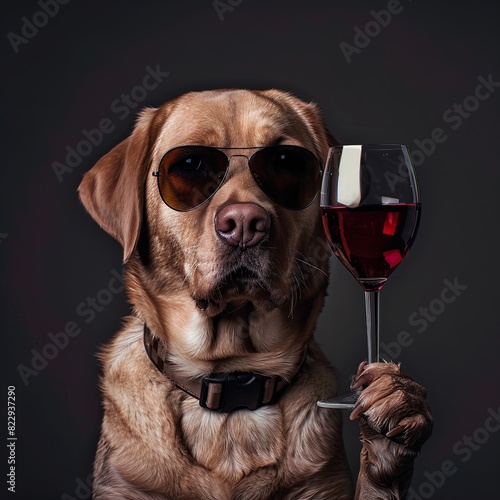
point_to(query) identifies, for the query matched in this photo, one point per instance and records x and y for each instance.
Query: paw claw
(361, 368)
(360, 378)
(395, 431)
(353, 416)
(358, 410)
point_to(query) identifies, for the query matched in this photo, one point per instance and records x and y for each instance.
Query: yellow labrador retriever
(210, 388)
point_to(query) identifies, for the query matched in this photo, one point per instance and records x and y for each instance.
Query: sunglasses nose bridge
(238, 178)
(241, 164)
(238, 155)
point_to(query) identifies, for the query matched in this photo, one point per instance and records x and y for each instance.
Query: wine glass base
(343, 402)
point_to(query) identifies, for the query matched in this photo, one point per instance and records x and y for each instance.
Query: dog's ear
(332, 140)
(312, 117)
(113, 190)
(315, 119)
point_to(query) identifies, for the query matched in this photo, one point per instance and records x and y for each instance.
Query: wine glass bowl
(371, 211)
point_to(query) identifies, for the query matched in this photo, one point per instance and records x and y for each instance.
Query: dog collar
(220, 392)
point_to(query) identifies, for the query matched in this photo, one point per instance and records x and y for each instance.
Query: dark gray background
(397, 89)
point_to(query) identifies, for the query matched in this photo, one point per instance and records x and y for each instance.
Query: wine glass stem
(372, 324)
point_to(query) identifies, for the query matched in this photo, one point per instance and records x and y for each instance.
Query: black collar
(221, 392)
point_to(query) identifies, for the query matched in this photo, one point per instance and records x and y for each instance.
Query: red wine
(372, 240)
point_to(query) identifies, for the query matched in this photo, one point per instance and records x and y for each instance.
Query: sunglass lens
(289, 175)
(190, 175)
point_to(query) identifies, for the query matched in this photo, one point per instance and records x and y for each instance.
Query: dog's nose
(242, 224)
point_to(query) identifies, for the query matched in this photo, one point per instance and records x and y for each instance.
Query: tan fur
(156, 441)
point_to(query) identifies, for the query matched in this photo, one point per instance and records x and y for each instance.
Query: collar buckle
(225, 392)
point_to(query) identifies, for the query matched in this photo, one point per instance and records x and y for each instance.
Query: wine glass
(371, 211)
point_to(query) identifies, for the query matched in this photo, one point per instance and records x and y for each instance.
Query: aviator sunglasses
(188, 176)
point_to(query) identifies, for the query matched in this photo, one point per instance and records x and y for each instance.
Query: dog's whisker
(186, 277)
(296, 289)
(301, 277)
(184, 280)
(311, 265)
(298, 279)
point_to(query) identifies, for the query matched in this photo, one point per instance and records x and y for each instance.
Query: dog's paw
(391, 407)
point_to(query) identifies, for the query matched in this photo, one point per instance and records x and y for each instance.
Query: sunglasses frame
(223, 150)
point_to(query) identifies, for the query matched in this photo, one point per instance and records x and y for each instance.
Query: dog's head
(227, 245)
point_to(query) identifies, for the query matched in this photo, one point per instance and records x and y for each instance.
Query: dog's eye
(190, 163)
(288, 161)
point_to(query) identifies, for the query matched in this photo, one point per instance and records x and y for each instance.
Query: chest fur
(234, 444)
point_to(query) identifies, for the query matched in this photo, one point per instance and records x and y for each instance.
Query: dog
(210, 388)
